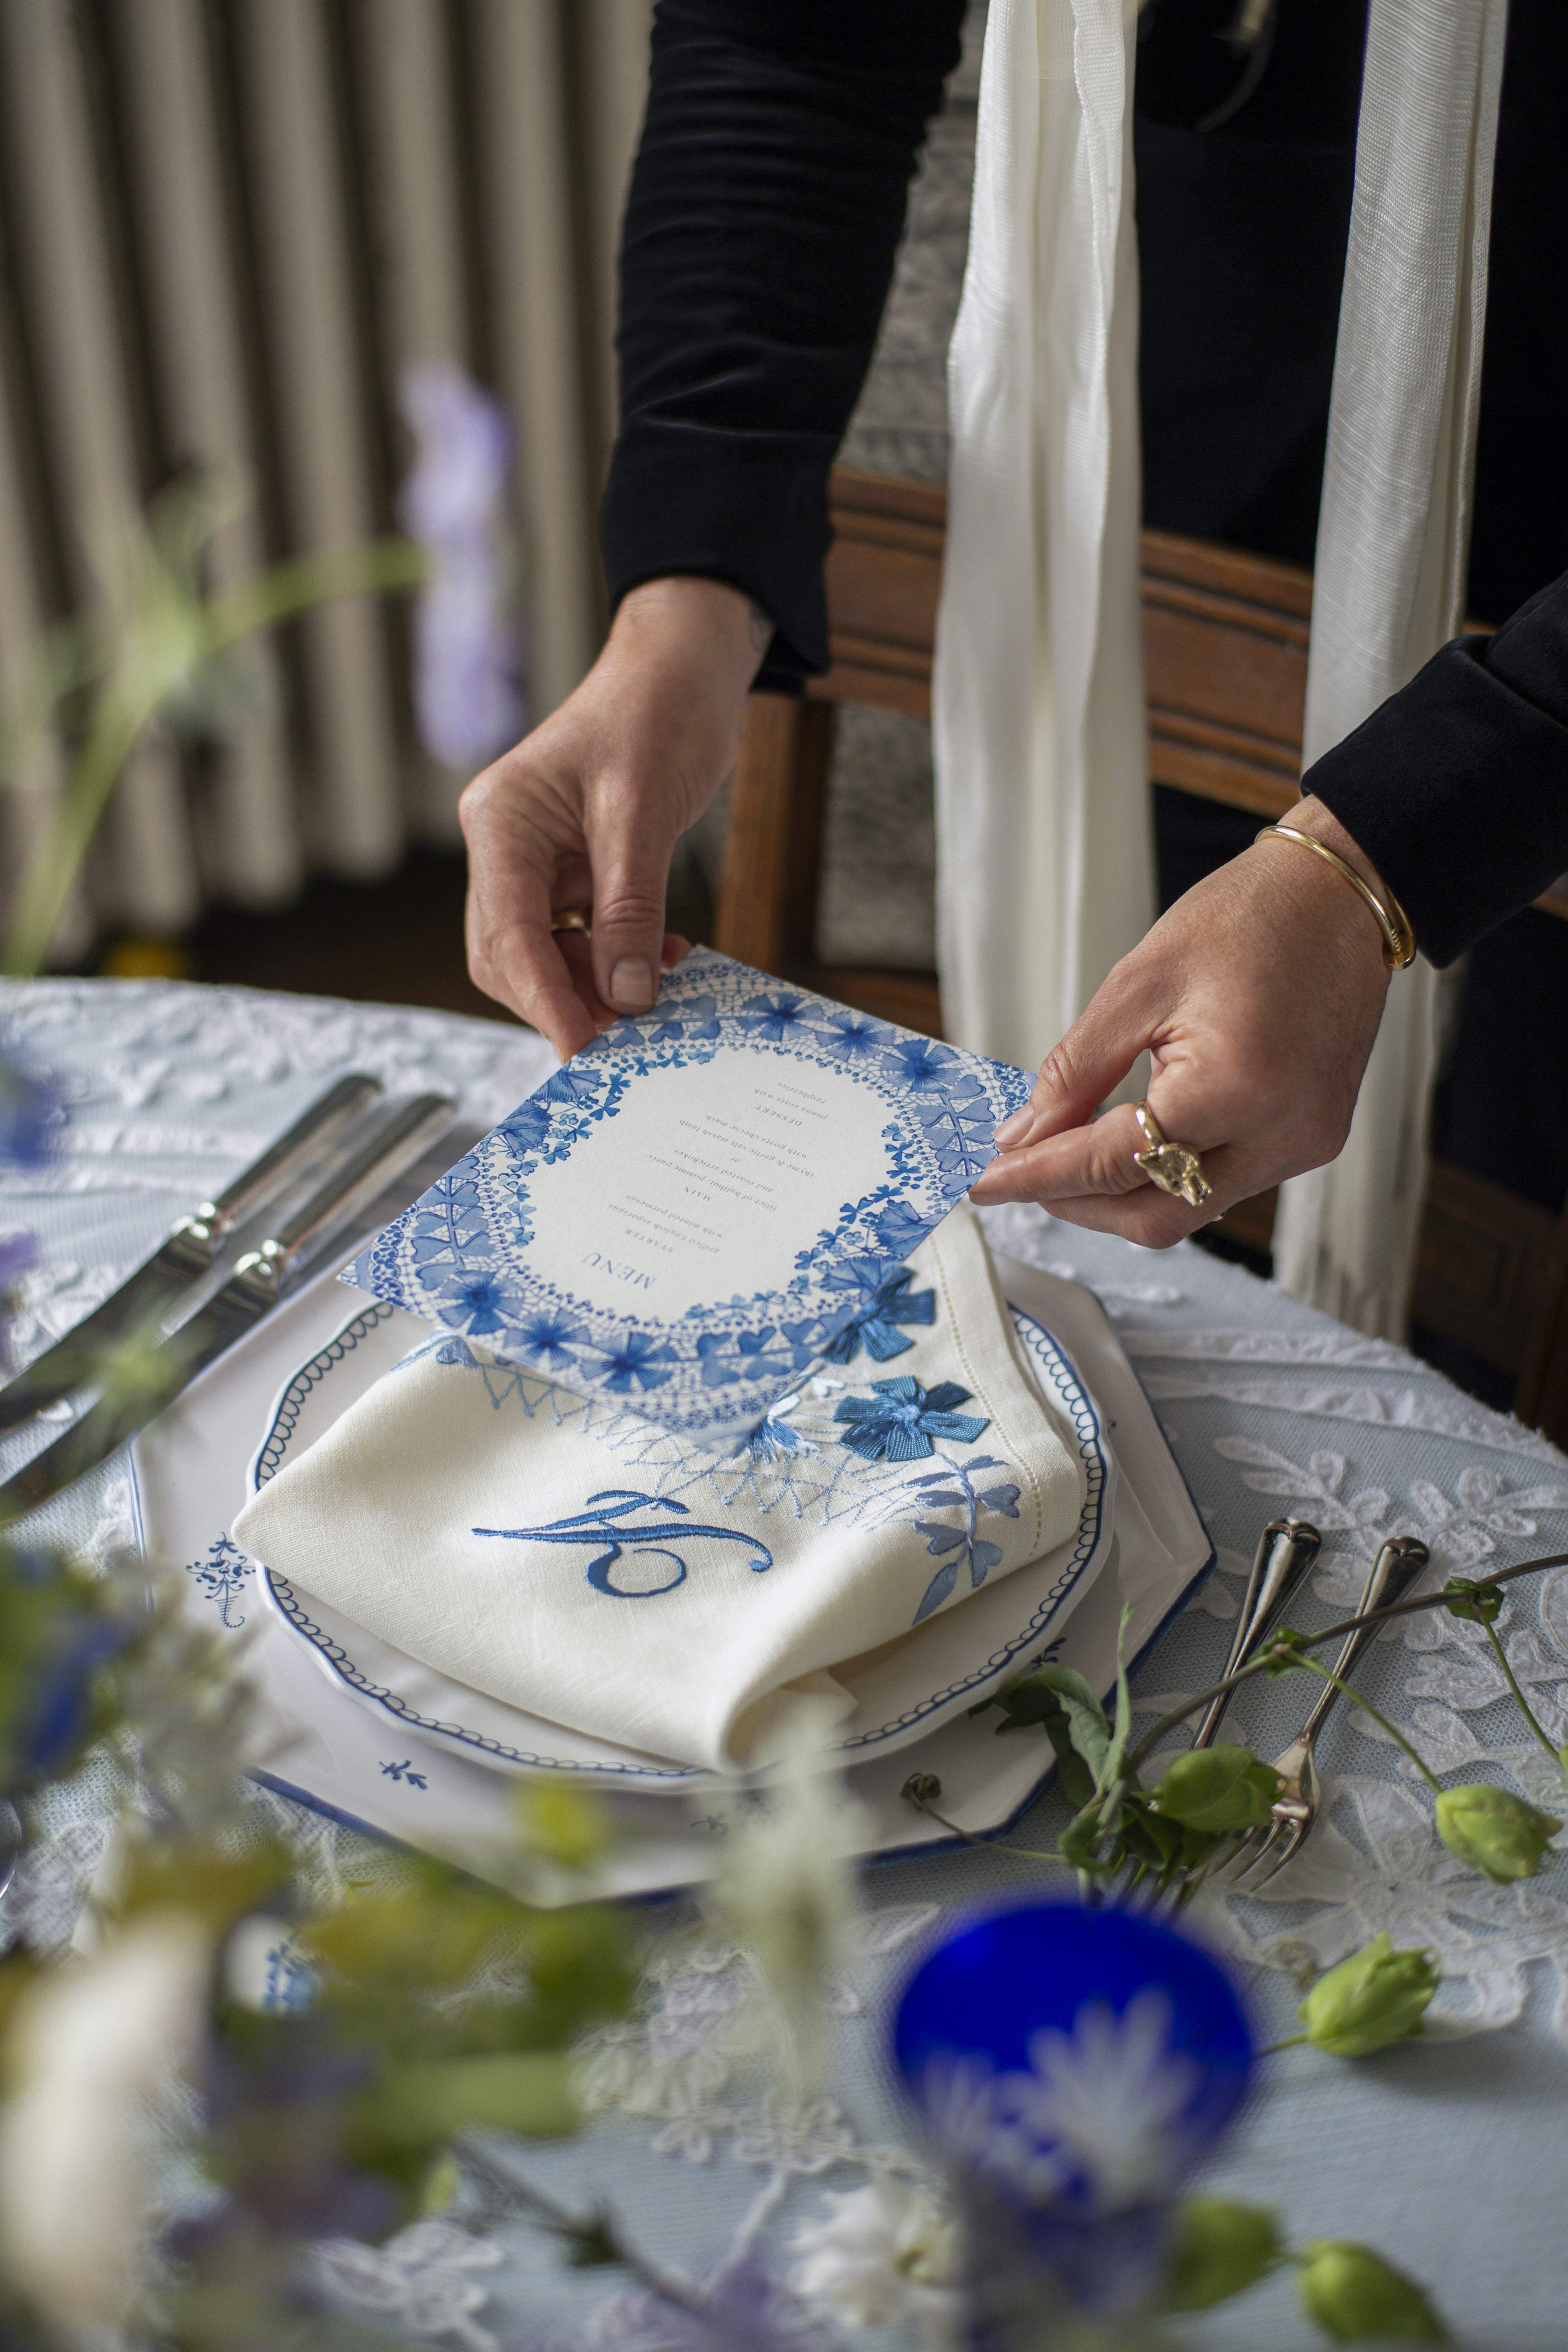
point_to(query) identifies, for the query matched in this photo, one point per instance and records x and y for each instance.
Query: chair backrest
(1224, 648)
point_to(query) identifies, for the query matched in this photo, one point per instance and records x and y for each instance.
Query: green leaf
(1356, 2297)
(1037, 1698)
(1482, 1604)
(422, 2103)
(1110, 1762)
(1220, 2249)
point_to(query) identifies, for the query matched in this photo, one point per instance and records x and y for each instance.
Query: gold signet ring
(570, 919)
(1175, 1168)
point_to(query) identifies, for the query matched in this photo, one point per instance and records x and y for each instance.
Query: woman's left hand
(1257, 997)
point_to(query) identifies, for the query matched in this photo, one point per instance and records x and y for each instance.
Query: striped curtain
(226, 226)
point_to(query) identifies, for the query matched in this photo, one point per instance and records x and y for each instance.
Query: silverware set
(165, 1323)
(1249, 1859)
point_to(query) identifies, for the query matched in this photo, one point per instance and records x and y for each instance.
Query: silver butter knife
(188, 1254)
(388, 1142)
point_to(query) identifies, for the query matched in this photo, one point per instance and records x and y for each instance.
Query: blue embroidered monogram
(608, 1524)
(705, 1201)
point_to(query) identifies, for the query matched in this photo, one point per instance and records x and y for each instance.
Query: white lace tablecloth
(1446, 2153)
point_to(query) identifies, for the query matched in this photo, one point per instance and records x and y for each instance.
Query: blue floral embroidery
(899, 1422)
(405, 1773)
(223, 1576)
(606, 1525)
(874, 1326)
(959, 1547)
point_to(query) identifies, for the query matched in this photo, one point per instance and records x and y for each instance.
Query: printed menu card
(697, 1206)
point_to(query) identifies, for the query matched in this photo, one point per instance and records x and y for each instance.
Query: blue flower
(29, 1111)
(640, 1362)
(775, 1440)
(851, 1037)
(777, 1018)
(874, 1326)
(549, 1338)
(466, 645)
(899, 1230)
(899, 1422)
(921, 1063)
(475, 1301)
(570, 1084)
(1073, 2066)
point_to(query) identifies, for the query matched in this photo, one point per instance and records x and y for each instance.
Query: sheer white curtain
(1392, 548)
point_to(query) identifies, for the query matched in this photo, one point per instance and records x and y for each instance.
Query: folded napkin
(578, 1561)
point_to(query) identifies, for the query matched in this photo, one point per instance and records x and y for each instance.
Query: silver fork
(1286, 1550)
(1261, 1853)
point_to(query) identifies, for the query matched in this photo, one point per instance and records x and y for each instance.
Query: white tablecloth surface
(1448, 2153)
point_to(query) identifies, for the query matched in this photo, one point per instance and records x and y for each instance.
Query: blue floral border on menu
(458, 1256)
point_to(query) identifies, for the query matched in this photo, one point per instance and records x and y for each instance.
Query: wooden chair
(1225, 647)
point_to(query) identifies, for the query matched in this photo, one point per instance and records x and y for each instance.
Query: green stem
(1178, 1715)
(1524, 1707)
(1291, 2042)
(120, 713)
(986, 1845)
(117, 719)
(1366, 1707)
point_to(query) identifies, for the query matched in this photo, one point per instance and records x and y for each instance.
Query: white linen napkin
(583, 1563)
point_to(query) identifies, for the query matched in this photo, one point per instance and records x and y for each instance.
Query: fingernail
(1013, 1130)
(631, 985)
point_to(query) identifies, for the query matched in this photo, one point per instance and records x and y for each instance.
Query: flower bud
(1218, 2249)
(1481, 1603)
(1375, 1997)
(1354, 2296)
(1494, 1831)
(1217, 1789)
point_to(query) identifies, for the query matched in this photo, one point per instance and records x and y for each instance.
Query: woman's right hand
(586, 811)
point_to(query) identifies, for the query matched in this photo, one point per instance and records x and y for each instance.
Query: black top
(764, 211)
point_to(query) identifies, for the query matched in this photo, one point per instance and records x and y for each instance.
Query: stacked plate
(352, 1728)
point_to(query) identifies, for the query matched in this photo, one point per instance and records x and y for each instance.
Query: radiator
(225, 227)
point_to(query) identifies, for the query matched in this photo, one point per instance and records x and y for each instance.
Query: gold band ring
(570, 919)
(1175, 1168)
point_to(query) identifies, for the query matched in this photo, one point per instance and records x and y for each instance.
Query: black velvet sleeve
(766, 206)
(1456, 787)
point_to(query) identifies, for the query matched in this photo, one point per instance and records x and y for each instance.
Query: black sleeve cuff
(747, 508)
(1456, 787)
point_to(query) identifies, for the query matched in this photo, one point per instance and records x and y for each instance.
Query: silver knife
(392, 1139)
(189, 1252)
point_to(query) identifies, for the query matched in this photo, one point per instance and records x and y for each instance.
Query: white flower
(784, 1886)
(1108, 2099)
(882, 2255)
(89, 2046)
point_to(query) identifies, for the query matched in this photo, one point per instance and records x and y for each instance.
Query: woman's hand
(586, 811)
(1258, 997)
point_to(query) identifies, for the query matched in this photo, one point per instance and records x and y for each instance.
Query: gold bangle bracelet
(1398, 938)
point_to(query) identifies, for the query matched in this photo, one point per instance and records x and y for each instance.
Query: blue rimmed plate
(903, 1690)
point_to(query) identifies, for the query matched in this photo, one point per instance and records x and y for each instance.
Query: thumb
(630, 862)
(1087, 1064)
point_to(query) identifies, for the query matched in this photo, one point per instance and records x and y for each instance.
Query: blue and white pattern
(464, 1255)
(608, 1521)
(222, 1575)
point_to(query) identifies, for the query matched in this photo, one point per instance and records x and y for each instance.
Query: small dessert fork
(1262, 1853)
